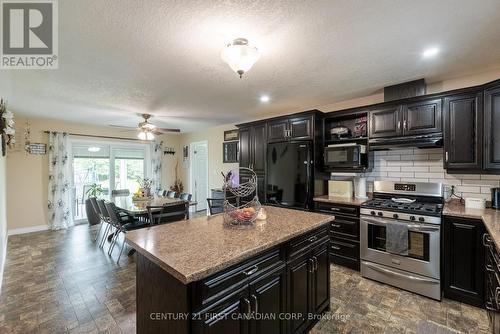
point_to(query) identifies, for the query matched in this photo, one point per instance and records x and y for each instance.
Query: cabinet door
(245, 147)
(299, 293)
(261, 188)
(258, 138)
(267, 297)
(464, 260)
(320, 279)
(385, 122)
(229, 319)
(301, 128)
(422, 117)
(277, 130)
(492, 129)
(463, 132)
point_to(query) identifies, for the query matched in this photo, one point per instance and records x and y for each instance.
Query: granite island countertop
(490, 217)
(341, 200)
(193, 249)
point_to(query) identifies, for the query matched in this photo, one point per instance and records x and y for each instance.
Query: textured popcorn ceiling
(163, 57)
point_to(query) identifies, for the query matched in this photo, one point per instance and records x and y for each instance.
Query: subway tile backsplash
(426, 165)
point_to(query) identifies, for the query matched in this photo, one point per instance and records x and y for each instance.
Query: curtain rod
(97, 136)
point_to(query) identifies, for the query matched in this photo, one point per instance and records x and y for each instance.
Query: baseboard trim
(3, 255)
(24, 230)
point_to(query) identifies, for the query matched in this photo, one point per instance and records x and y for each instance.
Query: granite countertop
(193, 249)
(490, 217)
(341, 200)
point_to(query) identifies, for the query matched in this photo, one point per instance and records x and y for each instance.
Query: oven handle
(414, 227)
(393, 273)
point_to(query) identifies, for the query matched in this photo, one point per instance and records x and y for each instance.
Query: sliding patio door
(111, 166)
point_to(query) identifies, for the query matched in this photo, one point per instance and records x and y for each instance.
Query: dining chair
(216, 205)
(105, 219)
(120, 192)
(186, 197)
(122, 226)
(167, 213)
(95, 207)
(171, 194)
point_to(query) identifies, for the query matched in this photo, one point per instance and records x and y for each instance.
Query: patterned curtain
(59, 203)
(156, 158)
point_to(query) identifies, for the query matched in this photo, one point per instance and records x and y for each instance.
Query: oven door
(423, 246)
(343, 156)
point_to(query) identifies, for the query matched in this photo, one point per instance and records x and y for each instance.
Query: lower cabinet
(280, 291)
(492, 284)
(464, 260)
(308, 286)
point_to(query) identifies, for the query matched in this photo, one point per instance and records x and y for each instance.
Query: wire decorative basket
(243, 207)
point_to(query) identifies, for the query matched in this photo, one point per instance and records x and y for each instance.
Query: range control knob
(372, 213)
(380, 214)
(412, 218)
(395, 216)
(421, 219)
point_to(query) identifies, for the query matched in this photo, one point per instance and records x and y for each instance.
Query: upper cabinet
(253, 147)
(417, 118)
(422, 117)
(298, 128)
(463, 131)
(385, 122)
(492, 128)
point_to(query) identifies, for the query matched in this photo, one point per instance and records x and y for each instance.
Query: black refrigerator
(289, 174)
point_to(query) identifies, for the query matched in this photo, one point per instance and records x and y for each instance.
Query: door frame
(191, 178)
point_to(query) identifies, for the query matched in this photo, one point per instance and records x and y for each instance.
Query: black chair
(216, 205)
(122, 226)
(186, 197)
(171, 194)
(120, 192)
(105, 219)
(168, 213)
(95, 207)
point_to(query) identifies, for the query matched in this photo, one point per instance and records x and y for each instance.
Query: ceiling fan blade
(123, 127)
(162, 130)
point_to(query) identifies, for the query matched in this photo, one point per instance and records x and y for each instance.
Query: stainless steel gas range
(400, 236)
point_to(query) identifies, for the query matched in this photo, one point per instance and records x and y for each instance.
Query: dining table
(136, 207)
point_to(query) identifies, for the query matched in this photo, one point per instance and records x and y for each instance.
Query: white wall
(3, 215)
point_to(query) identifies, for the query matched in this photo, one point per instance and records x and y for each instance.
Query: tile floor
(61, 282)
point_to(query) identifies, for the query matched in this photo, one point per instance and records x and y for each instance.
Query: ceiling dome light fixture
(240, 56)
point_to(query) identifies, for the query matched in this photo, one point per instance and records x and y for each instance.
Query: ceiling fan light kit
(240, 56)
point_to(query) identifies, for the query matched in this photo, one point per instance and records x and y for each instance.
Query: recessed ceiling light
(264, 98)
(430, 52)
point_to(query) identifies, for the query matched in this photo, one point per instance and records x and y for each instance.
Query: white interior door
(199, 174)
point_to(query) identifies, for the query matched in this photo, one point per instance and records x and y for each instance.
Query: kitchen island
(199, 276)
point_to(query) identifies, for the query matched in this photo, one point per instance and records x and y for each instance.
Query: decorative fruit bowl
(241, 215)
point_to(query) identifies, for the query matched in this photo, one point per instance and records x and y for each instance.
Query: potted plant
(95, 190)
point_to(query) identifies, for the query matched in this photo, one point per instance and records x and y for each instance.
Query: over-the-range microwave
(350, 155)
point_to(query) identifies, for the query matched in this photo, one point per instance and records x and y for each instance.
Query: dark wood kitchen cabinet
(416, 118)
(296, 128)
(308, 284)
(422, 117)
(385, 122)
(253, 147)
(463, 116)
(464, 260)
(492, 129)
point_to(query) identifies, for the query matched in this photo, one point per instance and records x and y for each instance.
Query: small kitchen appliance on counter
(340, 189)
(475, 203)
(495, 198)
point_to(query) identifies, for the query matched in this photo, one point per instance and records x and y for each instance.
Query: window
(111, 166)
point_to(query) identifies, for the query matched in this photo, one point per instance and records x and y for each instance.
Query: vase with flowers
(7, 127)
(144, 191)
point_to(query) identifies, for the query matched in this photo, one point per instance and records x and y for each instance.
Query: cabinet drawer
(344, 210)
(344, 248)
(304, 243)
(345, 227)
(210, 288)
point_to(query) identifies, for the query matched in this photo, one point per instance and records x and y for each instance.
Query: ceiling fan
(146, 130)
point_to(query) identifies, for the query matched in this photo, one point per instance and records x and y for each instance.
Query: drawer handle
(489, 306)
(251, 271)
(489, 268)
(336, 225)
(335, 209)
(486, 240)
(313, 239)
(497, 292)
(336, 247)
